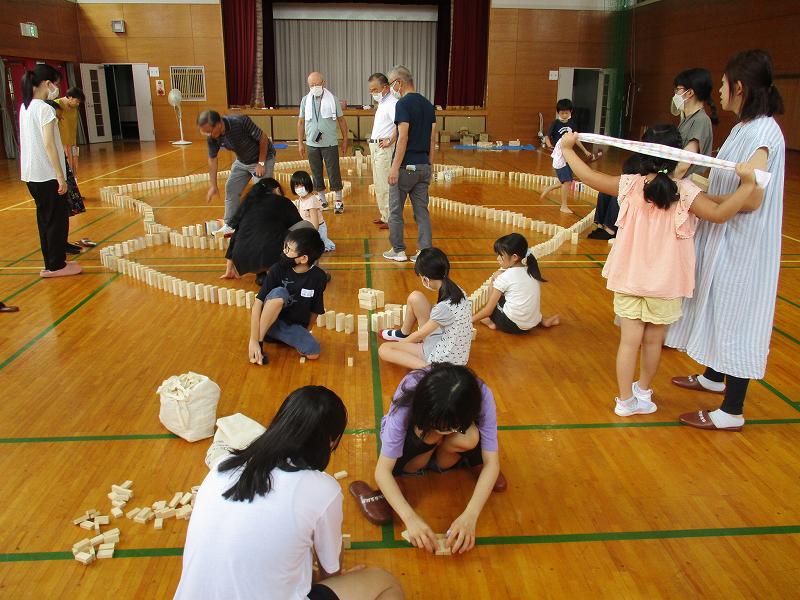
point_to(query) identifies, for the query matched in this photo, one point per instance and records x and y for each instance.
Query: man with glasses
(410, 173)
(381, 143)
(255, 156)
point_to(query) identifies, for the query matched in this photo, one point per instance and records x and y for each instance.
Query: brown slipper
(4, 308)
(691, 383)
(373, 504)
(702, 420)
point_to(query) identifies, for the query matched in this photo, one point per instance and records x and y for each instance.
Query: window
(191, 81)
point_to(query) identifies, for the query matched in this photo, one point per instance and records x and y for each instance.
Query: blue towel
(281, 146)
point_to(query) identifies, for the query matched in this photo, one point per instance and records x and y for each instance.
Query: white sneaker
(639, 407)
(338, 207)
(642, 395)
(390, 254)
(413, 257)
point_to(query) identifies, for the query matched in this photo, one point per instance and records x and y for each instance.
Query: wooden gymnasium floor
(597, 506)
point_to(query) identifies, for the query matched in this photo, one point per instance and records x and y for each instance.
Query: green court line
(55, 323)
(795, 304)
(551, 538)
(628, 425)
(779, 394)
(22, 289)
(786, 335)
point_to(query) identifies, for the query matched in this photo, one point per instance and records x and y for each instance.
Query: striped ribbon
(660, 151)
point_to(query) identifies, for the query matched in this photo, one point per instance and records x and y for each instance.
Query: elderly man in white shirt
(381, 143)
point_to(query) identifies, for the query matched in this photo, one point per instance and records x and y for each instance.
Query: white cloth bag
(234, 432)
(189, 405)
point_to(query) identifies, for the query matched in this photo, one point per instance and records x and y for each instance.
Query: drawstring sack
(189, 405)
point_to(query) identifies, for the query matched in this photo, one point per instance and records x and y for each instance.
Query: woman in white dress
(727, 324)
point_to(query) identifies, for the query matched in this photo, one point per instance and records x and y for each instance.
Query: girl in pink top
(310, 206)
(650, 268)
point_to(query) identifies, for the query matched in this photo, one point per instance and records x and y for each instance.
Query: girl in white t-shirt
(261, 512)
(514, 304)
(445, 329)
(43, 168)
(310, 206)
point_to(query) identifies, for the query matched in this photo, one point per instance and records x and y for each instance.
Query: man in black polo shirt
(410, 173)
(255, 155)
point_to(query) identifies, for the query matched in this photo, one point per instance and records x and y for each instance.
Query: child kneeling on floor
(441, 417)
(290, 298)
(651, 265)
(514, 302)
(445, 329)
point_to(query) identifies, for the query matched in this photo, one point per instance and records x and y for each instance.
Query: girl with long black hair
(261, 512)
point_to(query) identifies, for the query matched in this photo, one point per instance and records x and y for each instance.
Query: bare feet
(551, 321)
(489, 323)
(565, 209)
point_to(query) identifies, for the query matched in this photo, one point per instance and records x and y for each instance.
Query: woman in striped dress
(727, 324)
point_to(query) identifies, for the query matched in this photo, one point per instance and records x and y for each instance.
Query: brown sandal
(373, 504)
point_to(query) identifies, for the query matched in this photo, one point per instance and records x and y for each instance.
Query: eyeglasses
(461, 430)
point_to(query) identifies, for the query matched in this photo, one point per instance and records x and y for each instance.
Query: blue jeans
(291, 334)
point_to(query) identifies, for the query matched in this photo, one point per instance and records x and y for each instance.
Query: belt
(372, 141)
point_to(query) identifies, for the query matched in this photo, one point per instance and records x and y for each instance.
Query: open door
(144, 103)
(94, 85)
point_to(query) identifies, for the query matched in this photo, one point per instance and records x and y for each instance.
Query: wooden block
(349, 361)
(346, 541)
(82, 546)
(107, 546)
(349, 323)
(116, 512)
(404, 534)
(101, 520)
(165, 513)
(184, 512)
(302, 360)
(379, 297)
(230, 294)
(175, 499)
(110, 533)
(240, 297)
(222, 296)
(87, 525)
(80, 519)
(185, 498)
(340, 475)
(330, 319)
(161, 504)
(250, 298)
(84, 558)
(132, 513)
(105, 554)
(159, 523)
(122, 491)
(321, 320)
(98, 539)
(340, 317)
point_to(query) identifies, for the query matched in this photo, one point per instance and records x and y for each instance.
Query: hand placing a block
(420, 534)
(461, 536)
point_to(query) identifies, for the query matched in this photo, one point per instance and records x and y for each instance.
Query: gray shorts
(291, 334)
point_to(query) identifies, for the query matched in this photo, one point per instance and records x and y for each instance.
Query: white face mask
(377, 97)
(395, 93)
(52, 93)
(677, 104)
(316, 91)
(300, 190)
(426, 283)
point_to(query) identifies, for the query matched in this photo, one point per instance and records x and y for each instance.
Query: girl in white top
(260, 513)
(310, 206)
(514, 303)
(445, 329)
(43, 168)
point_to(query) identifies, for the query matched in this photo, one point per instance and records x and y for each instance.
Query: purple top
(395, 423)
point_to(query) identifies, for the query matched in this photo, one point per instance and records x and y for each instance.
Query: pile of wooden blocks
(390, 317)
(363, 333)
(441, 543)
(370, 299)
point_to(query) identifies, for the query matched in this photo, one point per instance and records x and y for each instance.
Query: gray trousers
(237, 181)
(331, 157)
(413, 184)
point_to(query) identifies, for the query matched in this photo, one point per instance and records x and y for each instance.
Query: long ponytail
(33, 79)
(661, 190)
(433, 264)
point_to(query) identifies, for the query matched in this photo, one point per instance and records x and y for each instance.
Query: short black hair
(564, 104)
(77, 93)
(380, 77)
(301, 178)
(308, 242)
(211, 117)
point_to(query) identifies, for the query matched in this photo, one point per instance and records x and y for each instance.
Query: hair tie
(524, 260)
(664, 171)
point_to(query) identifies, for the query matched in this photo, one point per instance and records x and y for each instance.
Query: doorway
(118, 102)
(589, 91)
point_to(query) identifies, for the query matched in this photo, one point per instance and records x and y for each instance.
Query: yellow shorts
(659, 311)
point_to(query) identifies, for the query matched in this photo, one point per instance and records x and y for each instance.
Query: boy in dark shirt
(291, 298)
(563, 124)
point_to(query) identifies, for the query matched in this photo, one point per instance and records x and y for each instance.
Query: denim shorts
(564, 174)
(292, 334)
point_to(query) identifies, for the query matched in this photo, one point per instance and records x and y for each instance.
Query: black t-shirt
(305, 292)
(558, 129)
(420, 115)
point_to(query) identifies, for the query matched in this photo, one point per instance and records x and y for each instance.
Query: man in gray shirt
(319, 115)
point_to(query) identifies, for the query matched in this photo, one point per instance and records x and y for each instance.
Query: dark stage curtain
(468, 54)
(239, 29)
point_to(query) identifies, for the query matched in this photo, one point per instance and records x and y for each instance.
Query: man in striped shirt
(255, 156)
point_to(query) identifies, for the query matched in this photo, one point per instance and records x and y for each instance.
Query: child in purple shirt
(441, 417)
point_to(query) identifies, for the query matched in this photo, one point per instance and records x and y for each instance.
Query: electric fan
(174, 100)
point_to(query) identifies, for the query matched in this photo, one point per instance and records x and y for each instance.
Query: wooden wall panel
(524, 45)
(680, 34)
(161, 35)
(58, 29)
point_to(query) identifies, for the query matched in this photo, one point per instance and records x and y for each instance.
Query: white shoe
(225, 231)
(639, 408)
(642, 395)
(413, 257)
(390, 254)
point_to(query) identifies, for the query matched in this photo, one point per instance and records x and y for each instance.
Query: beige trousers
(381, 163)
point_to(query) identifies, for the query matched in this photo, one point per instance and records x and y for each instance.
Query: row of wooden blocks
(199, 242)
(339, 322)
(156, 184)
(370, 299)
(387, 319)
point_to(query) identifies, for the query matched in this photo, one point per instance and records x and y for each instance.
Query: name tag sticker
(306, 293)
